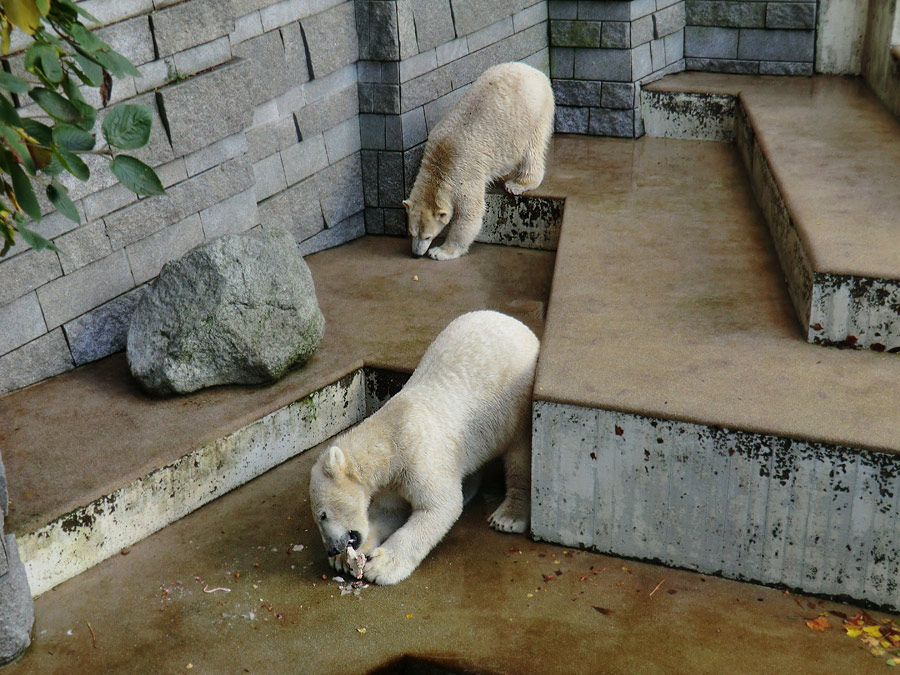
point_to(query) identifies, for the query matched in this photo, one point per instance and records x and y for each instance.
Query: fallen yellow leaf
(875, 631)
(854, 632)
(820, 623)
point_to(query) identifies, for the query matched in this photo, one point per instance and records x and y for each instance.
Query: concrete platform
(824, 158)
(479, 604)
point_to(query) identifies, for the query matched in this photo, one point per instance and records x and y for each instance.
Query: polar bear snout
(420, 246)
(337, 547)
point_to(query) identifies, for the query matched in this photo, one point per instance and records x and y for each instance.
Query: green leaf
(128, 126)
(16, 143)
(88, 115)
(12, 83)
(73, 138)
(55, 105)
(71, 90)
(90, 70)
(72, 163)
(117, 64)
(41, 60)
(36, 241)
(43, 6)
(55, 167)
(39, 132)
(59, 197)
(51, 66)
(68, 4)
(8, 113)
(23, 13)
(24, 192)
(136, 176)
(88, 41)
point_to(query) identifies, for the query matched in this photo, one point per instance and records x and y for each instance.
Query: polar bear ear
(335, 461)
(407, 204)
(442, 216)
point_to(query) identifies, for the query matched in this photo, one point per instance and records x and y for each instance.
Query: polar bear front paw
(339, 563)
(444, 252)
(510, 517)
(516, 187)
(385, 569)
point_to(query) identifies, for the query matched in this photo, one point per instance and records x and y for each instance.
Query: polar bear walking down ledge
(500, 128)
(392, 486)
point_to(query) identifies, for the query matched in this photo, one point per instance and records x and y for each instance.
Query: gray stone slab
(202, 57)
(268, 175)
(417, 65)
(571, 120)
(328, 112)
(490, 34)
(641, 61)
(270, 138)
(39, 359)
(25, 272)
(246, 27)
(102, 331)
(711, 43)
(618, 95)
(616, 35)
(668, 20)
(575, 33)
(342, 140)
(22, 322)
(197, 112)
(562, 62)
(331, 38)
(371, 132)
(217, 153)
(51, 226)
(191, 23)
(799, 15)
(374, 221)
(606, 122)
(606, 11)
(393, 132)
(390, 179)
(377, 30)
(278, 14)
(395, 222)
(213, 186)
(83, 246)
(369, 168)
(148, 255)
(641, 30)
(777, 45)
(674, 45)
(786, 68)
(734, 66)
(340, 189)
(473, 15)
(603, 64)
(270, 76)
(296, 210)
(530, 16)
(450, 51)
(349, 229)
(132, 38)
(413, 127)
(563, 9)
(578, 93)
(379, 98)
(428, 87)
(232, 216)
(641, 8)
(406, 31)
(658, 54)
(84, 289)
(155, 74)
(303, 159)
(726, 14)
(434, 23)
(412, 159)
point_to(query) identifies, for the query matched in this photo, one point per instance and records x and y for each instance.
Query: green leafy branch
(63, 56)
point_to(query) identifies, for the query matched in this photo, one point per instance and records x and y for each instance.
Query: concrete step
(95, 465)
(680, 416)
(823, 155)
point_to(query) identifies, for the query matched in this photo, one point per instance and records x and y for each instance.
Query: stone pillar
(417, 57)
(600, 54)
(16, 605)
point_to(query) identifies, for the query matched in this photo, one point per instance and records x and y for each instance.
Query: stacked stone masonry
(750, 37)
(417, 57)
(601, 52)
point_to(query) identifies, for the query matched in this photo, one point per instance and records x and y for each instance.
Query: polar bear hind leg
(514, 512)
(530, 172)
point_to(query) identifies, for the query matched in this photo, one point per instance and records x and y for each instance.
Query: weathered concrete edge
(692, 116)
(78, 540)
(526, 221)
(811, 516)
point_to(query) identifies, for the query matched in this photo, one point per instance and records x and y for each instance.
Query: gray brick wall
(257, 123)
(411, 73)
(750, 36)
(601, 52)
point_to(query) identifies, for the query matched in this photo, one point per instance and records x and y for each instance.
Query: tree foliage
(63, 58)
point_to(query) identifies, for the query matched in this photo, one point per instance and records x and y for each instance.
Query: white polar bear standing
(467, 402)
(500, 128)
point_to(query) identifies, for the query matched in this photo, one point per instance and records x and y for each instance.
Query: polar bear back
(493, 122)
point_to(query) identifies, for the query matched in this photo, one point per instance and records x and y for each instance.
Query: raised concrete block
(22, 322)
(605, 11)
(620, 95)
(331, 38)
(369, 168)
(83, 246)
(377, 30)
(777, 45)
(352, 228)
(406, 31)
(615, 35)
(86, 288)
(131, 38)
(490, 34)
(734, 66)
(283, 13)
(414, 128)
(669, 20)
(270, 75)
(434, 23)
(641, 61)
(296, 210)
(607, 122)
(217, 153)
(342, 140)
(450, 51)
(371, 132)
(390, 179)
(268, 175)
(197, 112)
(246, 27)
(395, 222)
(786, 68)
(563, 9)
(147, 256)
(102, 331)
(562, 62)
(577, 93)
(202, 57)
(190, 24)
(234, 215)
(39, 359)
(25, 272)
(428, 87)
(213, 186)
(726, 14)
(340, 189)
(379, 98)
(711, 43)
(473, 15)
(674, 45)
(641, 8)
(571, 120)
(110, 12)
(796, 15)
(530, 16)
(270, 138)
(303, 159)
(603, 64)
(417, 65)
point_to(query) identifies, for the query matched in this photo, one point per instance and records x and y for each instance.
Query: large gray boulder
(241, 309)
(16, 605)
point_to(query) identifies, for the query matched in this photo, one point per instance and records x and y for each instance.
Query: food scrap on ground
(207, 589)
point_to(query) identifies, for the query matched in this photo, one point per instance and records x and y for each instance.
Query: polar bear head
(426, 222)
(339, 501)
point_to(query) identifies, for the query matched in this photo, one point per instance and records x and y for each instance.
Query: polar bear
(500, 128)
(394, 485)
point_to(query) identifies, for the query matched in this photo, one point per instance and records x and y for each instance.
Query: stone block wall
(256, 124)
(417, 59)
(762, 37)
(602, 51)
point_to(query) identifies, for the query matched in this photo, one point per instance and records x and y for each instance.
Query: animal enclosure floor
(482, 602)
